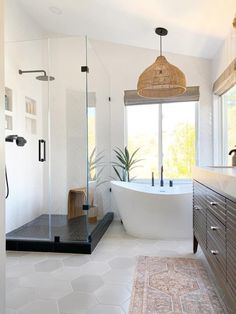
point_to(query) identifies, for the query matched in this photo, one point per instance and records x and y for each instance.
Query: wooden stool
(76, 200)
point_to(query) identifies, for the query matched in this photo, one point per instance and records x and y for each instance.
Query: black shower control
(57, 239)
(86, 207)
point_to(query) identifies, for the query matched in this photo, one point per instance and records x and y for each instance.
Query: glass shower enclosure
(57, 145)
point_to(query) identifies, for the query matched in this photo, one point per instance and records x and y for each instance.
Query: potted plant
(125, 163)
(96, 167)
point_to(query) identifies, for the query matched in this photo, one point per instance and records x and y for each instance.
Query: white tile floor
(51, 283)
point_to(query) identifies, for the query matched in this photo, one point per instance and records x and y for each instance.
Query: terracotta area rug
(173, 286)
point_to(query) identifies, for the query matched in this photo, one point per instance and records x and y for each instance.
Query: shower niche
(60, 176)
(8, 109)
(30, 115)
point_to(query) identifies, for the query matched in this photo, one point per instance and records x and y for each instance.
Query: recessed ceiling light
(55, 10)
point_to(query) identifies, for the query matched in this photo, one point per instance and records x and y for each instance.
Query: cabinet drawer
(217, 257)
(231, 223)
(199, 197)
(231, 271)
(199, 227)
(216, 204)
(216, 230)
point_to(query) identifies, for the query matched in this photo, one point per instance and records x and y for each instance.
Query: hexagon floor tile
(106, 309)
(20, 297)
(41, 283)
(112, 294)
(118, 276)
(10, 311)
(87, 283)
(122, 262)
(73, 302)
(48, 265)
(76, 260)
(57, 290)
(95, 268)
(125, 306)
(40, 307)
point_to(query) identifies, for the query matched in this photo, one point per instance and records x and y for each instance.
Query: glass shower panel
(98, 114)
(26, 124)
(68, 138)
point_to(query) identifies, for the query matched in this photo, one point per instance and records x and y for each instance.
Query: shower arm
(33, 71)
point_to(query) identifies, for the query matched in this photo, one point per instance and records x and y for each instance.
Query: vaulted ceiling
(196, 27)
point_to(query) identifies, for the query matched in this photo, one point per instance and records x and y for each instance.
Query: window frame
(221, 122)
(160, 139)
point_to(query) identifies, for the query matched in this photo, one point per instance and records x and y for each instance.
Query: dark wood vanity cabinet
(231, 247)
(214, 228)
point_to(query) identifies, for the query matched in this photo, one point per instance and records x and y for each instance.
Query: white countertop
(222, 179)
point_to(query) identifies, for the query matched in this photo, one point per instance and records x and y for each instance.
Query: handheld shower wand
(20, 141)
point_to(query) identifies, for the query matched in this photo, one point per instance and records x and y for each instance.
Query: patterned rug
(173, 286)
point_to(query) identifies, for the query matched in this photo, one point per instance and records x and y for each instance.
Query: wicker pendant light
(234, 21)
(161, 79)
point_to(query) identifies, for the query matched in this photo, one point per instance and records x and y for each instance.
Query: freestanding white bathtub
(154, 212)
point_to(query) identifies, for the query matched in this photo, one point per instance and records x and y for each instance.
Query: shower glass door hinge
(86, 207)
(84, 68)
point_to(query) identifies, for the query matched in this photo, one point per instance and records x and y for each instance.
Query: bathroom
(89, 111)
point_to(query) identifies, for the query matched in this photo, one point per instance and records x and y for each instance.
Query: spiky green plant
(95, 168)
(126, 163)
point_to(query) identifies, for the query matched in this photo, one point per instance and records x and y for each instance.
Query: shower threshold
(67, 236)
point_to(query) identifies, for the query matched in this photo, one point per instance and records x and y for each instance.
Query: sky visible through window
(177, 139)
(229, 107)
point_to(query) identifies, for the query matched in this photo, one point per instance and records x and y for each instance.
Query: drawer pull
(214, 252)
(197, 207)
(214, 203)
(214, 228)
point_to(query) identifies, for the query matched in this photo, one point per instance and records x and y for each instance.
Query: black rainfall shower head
(43, 77)
(20, 141)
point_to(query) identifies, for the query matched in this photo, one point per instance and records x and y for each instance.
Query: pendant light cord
(160, 45)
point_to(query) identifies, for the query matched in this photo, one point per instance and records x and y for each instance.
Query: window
(166, 135)
(229, 122)
(143, 131)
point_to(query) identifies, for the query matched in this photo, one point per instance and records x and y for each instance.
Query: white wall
(224, 56)
(125, 64)
(19, 25)
(2, 164)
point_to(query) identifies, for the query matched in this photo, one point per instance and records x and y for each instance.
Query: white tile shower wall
(19, 26)
(25, 173)
(2, 166)
(125, 64)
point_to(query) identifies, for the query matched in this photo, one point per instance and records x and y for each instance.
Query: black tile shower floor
(74, 229)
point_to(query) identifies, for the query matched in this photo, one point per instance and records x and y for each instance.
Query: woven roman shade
(131, 97)
(226, 80)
